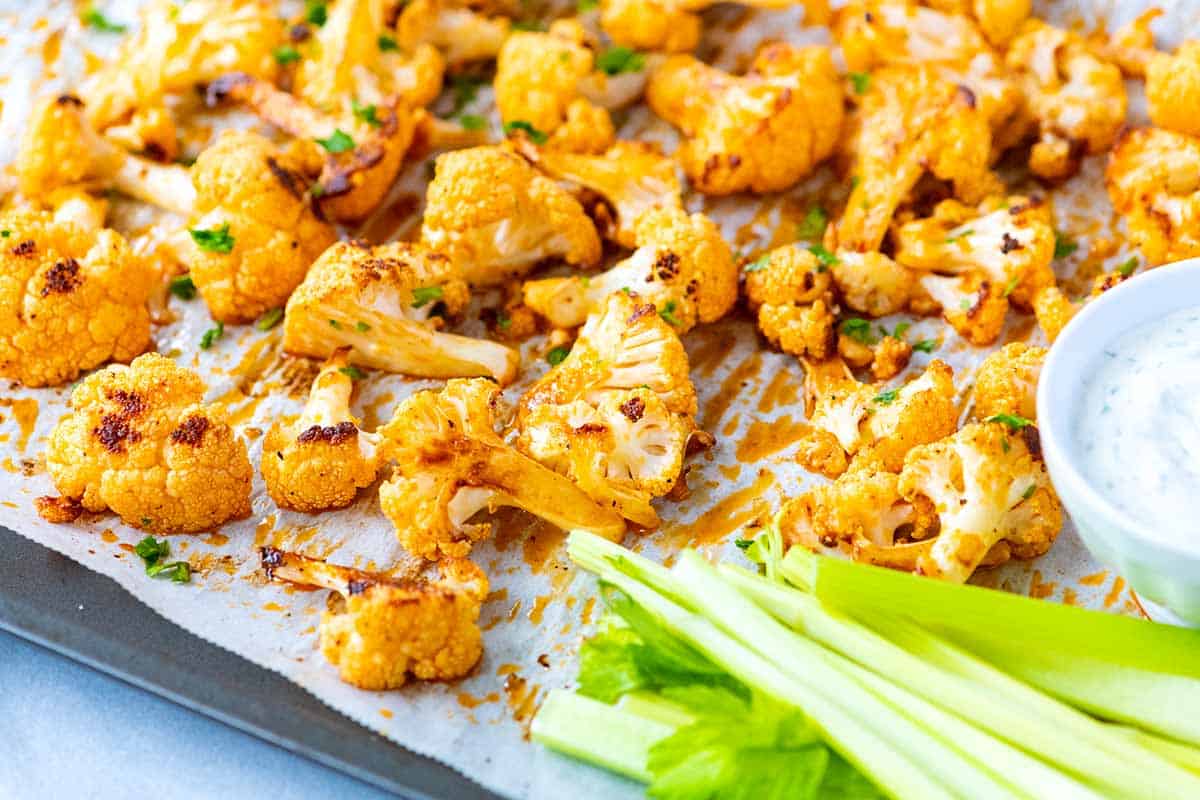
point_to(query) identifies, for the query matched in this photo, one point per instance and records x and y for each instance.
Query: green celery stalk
(599, 734)
(652, 707)
(855, 738)
(1181, 754)
(952, 609)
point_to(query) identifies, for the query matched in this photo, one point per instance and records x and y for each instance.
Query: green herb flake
(1064, 245)
(503, 321)
(286, 55)
(182, 287)
(177, 571)
(212, 335)
(886, 397)
(213, 240)
(1028, 493)
(333, 323)
(150, 550)
(465, 88)
(4, 234)
(854, 182)
(536, 136)
(965, 304)
(616, 60)
(361, 326)
(858, 329)
(316, 12)
(365, 113)
(954, 237)
(269, 320)
(472, 122)
(925, 346)
(557, 356)
(1011, 285)
(826, 258)
(743, 544)
(758, 264)
(584, 6)
(861, 81)
(95, 20)
(387, 44)
(813, 225)
(667, 312)
(1015, 422)
(1127, 268)
(352, 372)
(424, 295)
(338, 142)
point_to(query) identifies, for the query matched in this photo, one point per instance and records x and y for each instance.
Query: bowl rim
(1057, 441)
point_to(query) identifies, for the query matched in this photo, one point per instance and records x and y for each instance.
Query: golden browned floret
(180, 46)
(462, 33)
(1131, 47)
(139, 441)
(890, 357)
(255, 195)
(911, 122)
(869, 424)
(630, 177)
(381, 302)
(71, 299)
(682, 266)
(381, 630)
(992, 495)
(1009, 241)
(973, 305)
(882, 32)
(451, 464)
(1153, 181)
(1006, 382)
(495, 216)
(761, 131)
(1000, 20)
(871, 283)
(673, 26)
(1053, 311)
(1077, 99)
(616, 415)
(322, 459)
(150, 131)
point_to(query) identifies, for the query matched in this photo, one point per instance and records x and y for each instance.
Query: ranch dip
(1137, 431)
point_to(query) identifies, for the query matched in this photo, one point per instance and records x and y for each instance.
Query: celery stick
(854, 738)
(651, 706)
(1181, 754)
(999, 616)
(823, 671)
(599, 734)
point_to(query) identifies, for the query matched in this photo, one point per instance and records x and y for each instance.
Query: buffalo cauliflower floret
(380, 302)
(990, 490)
(910, 122)
(673, 26)
(322, 459)
(495, 216)
(179, 46)
(1006, 382)
(1131, 47)
(150, 131)
(973, 305)
(871, 283)
(616, 415)
(860, 424)
(258, 233)
(1154, 183)
(71, 299)
(380, 630)
(881, 32)
(1000, 20)
(763, 131)
(1077, 99)
(682, 266)
(1053, 311)
(1012, 243)
(631, 178)
(451, 464)
(462, 34)
(789, 290)
(139, 441)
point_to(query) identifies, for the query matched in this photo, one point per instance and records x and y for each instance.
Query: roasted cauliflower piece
(762, 131)
(1077, 99)
(882, 32)
(380, 302)
(1153, 181)
(616, 415)
(461, 33)
(381, 629)
(673, 26)
(180, 46)
(630, 177)
(910, 122)
(1006, 382)
(495, 216)
(262, 231)
(871, 283)
(682, 266)
(71, 299)
(322, 459)
(972, 305)
(856, 424)
(1053, 311)
(789, 290)
(1130, 47)
(1010, 241)
(139, 442)
(992, 495)
(451, 464)
(1000, 20)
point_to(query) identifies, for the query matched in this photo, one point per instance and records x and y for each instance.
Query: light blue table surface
(69, 732)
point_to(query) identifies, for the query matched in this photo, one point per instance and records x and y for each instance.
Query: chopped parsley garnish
(858, 329)
(1011, 285)
(813, 224)
(150, 549)
(333, 323)
(966, 304)
(286, 55)
(387, 43)
(1064, 245)
(861, 81)
(315, 12)
(854, 182)
(586, 5)
(886, 397)
(4, 234)
(925, 346)
(472, 122)
(826, 258)
(757, 264)
(424, 295)
(211, 335)
(1028, 493)
(269, 320)
(557, 356)
(1014, 421)
(465, 89)
(154, 554)
(536, 136)
(954, 237)
(743, 544)
(1128, 267)
(361, 326)
(898, 331)
(352, 372)
(214, 240)
(365, 113)
(338, 142)
(182, 287)
(616, 60)
(503, 321)
(667, 312)
(97, 21)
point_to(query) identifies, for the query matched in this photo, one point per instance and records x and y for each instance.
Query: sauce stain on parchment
(730, 390)
(764, 438)
(782, 391)
(25, 412)
(724, 517)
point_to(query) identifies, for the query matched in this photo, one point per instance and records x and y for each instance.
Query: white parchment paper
(539, 608)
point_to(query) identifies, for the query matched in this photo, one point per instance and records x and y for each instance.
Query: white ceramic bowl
(1161, 572)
